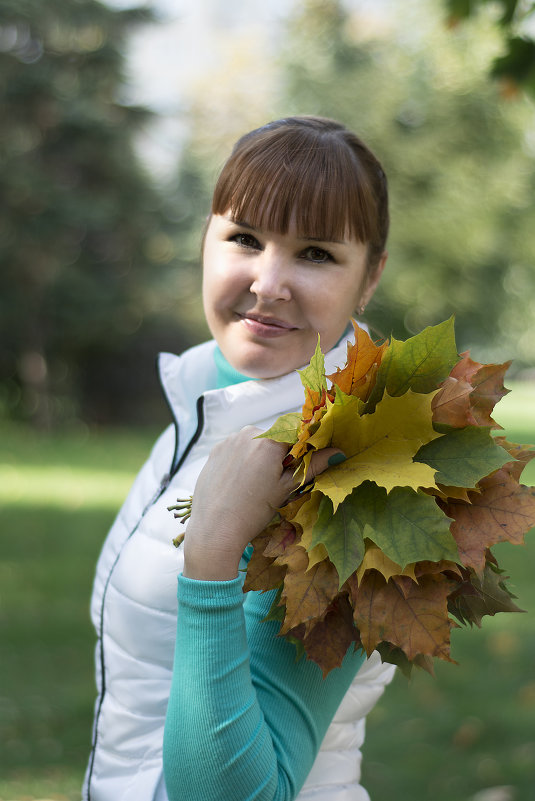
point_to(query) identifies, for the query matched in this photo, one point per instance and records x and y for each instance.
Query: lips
(264, 325)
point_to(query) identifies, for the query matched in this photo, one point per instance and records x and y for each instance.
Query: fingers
(321, 460)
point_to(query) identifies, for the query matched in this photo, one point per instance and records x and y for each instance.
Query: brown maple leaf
(451, 405)
(283, 535)
(468, 395)
(503, 511)
(417, 623)
(327, 642)
(262, 572)
(488, 390)
(465, 367)
(307, 592)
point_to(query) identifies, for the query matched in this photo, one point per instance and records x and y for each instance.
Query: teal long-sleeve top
(245, 720)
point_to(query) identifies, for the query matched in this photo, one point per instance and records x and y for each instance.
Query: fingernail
(336, 458)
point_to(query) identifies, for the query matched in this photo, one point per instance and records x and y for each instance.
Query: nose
(271, 276)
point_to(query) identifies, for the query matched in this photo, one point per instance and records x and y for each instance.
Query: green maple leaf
(408, 526)
(420, 363)
(341, 535)
(487, 596)
(395, 656)
(313, 376)
(284, 429)
(463, 456)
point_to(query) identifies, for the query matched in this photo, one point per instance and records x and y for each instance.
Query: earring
(361, 309)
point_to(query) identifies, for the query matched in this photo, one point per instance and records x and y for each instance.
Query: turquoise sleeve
(245, 720)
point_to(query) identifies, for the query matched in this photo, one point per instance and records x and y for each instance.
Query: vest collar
(185, 378)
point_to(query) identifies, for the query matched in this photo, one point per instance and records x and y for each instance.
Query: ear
(373, 279)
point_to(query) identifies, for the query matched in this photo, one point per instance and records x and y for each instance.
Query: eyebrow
(301, 238)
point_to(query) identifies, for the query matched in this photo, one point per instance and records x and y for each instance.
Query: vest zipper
(164, 483)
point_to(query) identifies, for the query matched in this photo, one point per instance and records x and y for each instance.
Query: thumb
(321, 460)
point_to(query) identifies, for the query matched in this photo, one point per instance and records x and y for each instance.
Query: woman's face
(267, 295)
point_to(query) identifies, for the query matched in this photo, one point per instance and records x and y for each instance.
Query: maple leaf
(313, 376)
(313, 410)
(408, 527)
(420, 363)
(465, 367)
(463, 456)
(451, 569)
(488, 390)
(306, 592)
(379, 447)
(341, 535)
(283, 534)
(304, 517)
(284, 429)
(451, 405)
(396, 656)
(482, 595)
(522, 455)
(376, 559)
(262, 572)
(503, 511)
(328, 641)
(363, 359)
(418, 624)
(469, 394)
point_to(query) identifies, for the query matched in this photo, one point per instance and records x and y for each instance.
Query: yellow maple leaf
(305, 516)
(379, 447)
(375, 559)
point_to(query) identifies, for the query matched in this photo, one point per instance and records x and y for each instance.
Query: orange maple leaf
(314, 408)
(363, 360)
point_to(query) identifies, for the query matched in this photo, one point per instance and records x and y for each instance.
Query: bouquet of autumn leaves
(387, 548)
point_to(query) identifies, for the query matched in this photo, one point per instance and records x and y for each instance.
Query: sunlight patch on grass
(62, 486)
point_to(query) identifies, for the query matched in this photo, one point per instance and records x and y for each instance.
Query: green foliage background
(100, 262)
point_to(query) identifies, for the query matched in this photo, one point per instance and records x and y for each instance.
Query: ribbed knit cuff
(210, 594)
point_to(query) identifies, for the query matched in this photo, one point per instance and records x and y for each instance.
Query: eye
(317, 255)
(245, 241)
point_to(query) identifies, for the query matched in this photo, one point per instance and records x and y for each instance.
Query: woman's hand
(237, 493)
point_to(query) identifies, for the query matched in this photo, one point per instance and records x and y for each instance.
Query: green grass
(58, 497)
(433, 739)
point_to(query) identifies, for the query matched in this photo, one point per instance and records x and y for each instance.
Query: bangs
(306, 178)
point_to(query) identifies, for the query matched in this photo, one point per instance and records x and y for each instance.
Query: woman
(295, 243)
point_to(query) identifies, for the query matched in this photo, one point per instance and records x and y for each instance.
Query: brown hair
(312, 171)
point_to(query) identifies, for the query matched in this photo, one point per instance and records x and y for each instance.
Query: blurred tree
(516, 66)
(83, 240)
(460, 163)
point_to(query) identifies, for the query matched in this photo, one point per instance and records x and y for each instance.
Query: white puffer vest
(134, 601)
